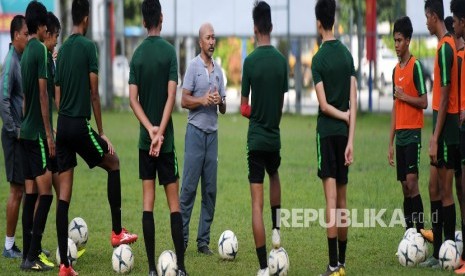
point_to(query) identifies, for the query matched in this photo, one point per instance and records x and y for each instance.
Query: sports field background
(372, 184)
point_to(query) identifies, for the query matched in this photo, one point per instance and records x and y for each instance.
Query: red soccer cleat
(67, 271)
(123, 238)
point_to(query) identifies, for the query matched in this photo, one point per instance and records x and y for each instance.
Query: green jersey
(265, 73)
(153, 65)
(333, 65)
(50, 85)
(77, 58)
(33, 68)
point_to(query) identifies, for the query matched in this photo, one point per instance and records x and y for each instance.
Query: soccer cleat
(430, 262)
(342, 270)
(81, 252)
(182, 273)
(36, 265)
(461, 269)
(67, 271)
(46, 252)
(427, 234)
(205, 250)
(330, 272)
(276, 238)
(263, 272)
(43, 258)
(13, 252)
(122, 238)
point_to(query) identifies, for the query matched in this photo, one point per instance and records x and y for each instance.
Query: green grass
(372, 184)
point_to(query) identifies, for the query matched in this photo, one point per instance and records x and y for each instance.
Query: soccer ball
(78, 232)
(167, 264)
(448, 255)
(407, 252)
(459, 241)
(421, 245)
(72, 253)
(409, 233)
(228, 245)
(278, 262)
(122, 259)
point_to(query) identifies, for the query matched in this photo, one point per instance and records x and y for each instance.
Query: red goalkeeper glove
(246, 110)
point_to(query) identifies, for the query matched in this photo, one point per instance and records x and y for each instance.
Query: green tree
(132, 13)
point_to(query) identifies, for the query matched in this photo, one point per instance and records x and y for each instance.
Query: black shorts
(447, 156)
(331, 159)
(13, 154)
(75, 135)
(166, 164)
(259, 161)
(462, 148)
(407, 160)
(36, 158)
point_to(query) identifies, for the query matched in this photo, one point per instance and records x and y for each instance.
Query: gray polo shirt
(198, 80)
(11, 92)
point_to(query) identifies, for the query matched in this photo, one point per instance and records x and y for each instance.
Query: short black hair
(36, 15)
(53, 24)
(151, 12)
(262, 17)
(325, 11)
(403, 25)
(79, 10)
(436, 7)
(457, 7)
(449, 22)
(16, 25)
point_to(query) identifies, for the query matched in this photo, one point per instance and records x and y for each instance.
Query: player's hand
(153, 132)
(208, 99)
(391, 156)
(399, 93)
(155, 146)
(433, 151)
(349, 155)
(111, 149)
(347, 117)
(51, 146)
(216, 98)
(55, 55)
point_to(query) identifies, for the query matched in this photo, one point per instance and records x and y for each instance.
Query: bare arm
(44, 108)
(95, 99)
(417, 102)
(392, 133)
(328, 109)
(57, 97)
(156, 142)
(190, 102)
(349, 152)
(433, 145)
(139, 111)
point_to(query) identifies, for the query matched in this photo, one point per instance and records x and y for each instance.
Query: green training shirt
(50, 85)
(334, 66)
(77, 58)
(33, 68)
(265, 73)
(153, 65)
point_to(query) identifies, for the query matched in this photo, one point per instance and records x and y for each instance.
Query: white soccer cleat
(276, 238)
(263, 272)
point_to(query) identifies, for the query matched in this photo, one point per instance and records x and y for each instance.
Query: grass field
(372, 184)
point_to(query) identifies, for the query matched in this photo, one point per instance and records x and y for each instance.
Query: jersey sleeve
(132, 71)
(174, 67)
(445, 61)
(245, 88)
(418, 78)
(93, 58)
(42, 63)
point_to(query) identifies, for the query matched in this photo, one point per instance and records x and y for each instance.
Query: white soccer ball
(448, 255)
(122, 259)
(407, 252)
(167, 264)
(72, 253)
(228, 245)
(409, 233)
(278, 262)
(459, 241)
(78, 232)
(421, 245)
